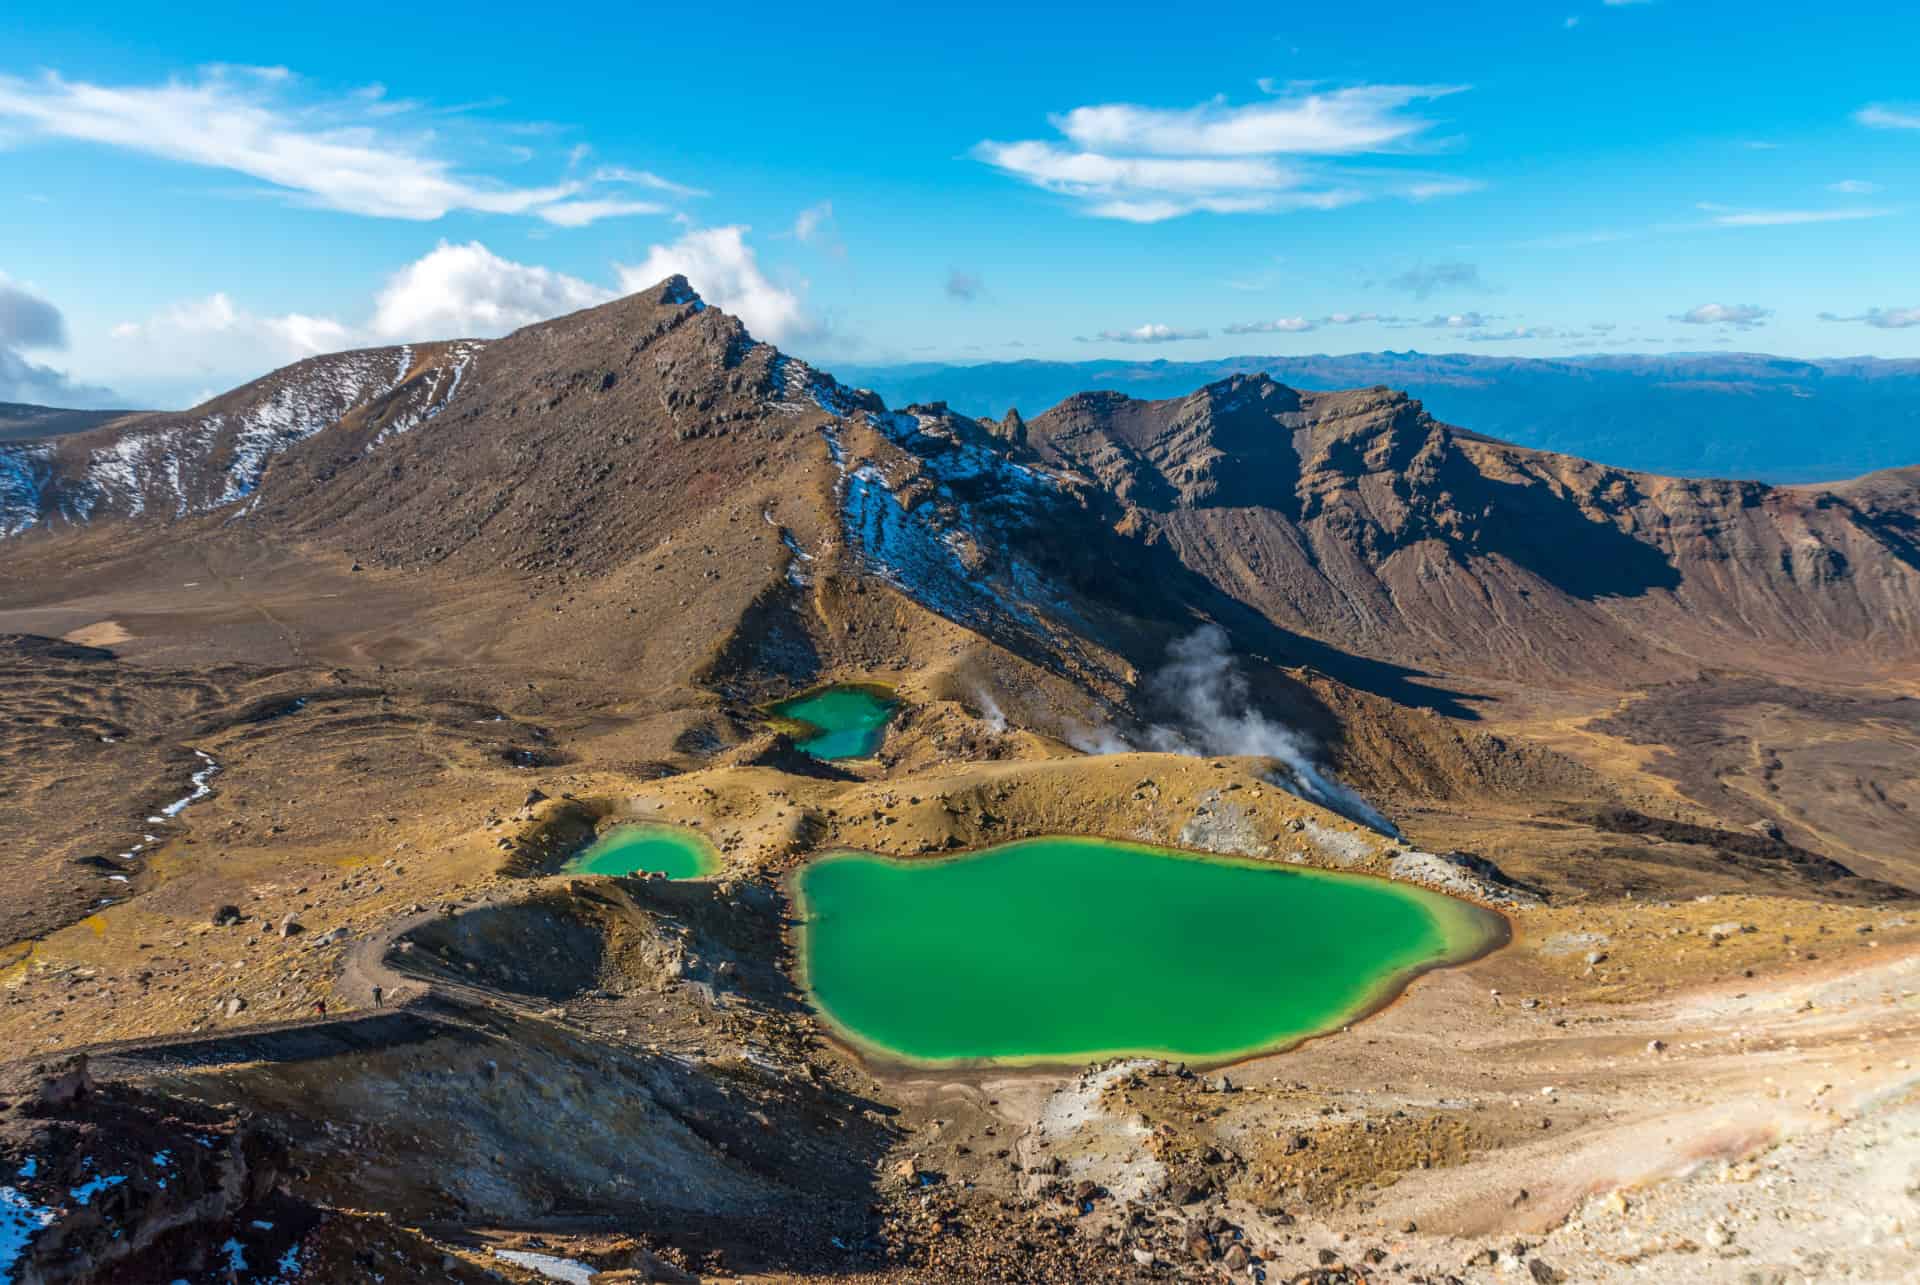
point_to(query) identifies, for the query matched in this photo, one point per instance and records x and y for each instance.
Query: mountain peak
(676, 289)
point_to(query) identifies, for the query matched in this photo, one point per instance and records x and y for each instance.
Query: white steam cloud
(1202, 680)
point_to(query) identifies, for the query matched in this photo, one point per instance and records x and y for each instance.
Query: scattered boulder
(225, 915)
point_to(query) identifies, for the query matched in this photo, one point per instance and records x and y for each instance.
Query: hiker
(319, 1008)
(376, 997)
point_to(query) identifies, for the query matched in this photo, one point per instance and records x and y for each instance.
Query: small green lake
(1070, 949)
(839, 722)
(643, 846)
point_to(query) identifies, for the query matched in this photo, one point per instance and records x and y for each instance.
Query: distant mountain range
(19, 421)
(1730, 415)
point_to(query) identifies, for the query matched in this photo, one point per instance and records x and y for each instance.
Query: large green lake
(643, 846)
(839, 722)
(1068, 949)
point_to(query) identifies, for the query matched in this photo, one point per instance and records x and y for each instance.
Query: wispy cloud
(1853, 187)
(1883, 318)
(342, 153)
(1741, 316)
(1344, 122)
(1882, 116)
(1301, 325)
(1146, 164)
(1515, 335)
(1151, 333)
(1426, 279)
(578, 214)
(1460, 321)
(1723, 217)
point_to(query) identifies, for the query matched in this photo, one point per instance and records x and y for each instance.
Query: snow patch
(20, 1218)
(86, 1191)
(24, 474)
(460, 357)
(570, 1270)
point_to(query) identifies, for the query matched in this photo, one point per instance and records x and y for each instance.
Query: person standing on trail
(376, 997)
(319, 1008)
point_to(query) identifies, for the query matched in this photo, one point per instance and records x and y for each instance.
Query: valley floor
(1695, 1059)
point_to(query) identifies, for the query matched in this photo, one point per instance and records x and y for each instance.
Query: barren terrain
(350, 995)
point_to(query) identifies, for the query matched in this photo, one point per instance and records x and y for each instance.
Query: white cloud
(1151, 333)
(1301, 325)
(723, 268)
(1145, 164)
(1091, 173)
(454, 291)
(639, 178)
(1341, 123)
(1880, 116)
(341, 154)
(1742, 316)
(1789, 218)
(1430, 189)
(1883, 318)
(1278, 326)
(1515, 334)
(214, 334)
(1460, 321)
(814, 226)
(808, 224)
(1853, 187)
(467, 290)
(578, 214)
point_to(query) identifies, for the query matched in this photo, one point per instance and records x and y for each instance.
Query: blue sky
(192, 195)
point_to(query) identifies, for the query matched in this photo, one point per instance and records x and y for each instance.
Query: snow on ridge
(459, 358)
(145, 469)
(302, 401)
(24, 470)
(926, 545)
(920, 556)
(296, 411)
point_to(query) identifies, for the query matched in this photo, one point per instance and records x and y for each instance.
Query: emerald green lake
(662, 849)
(839, 722)
(1068, 949)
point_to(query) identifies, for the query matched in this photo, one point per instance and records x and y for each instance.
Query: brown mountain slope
(1356, 518)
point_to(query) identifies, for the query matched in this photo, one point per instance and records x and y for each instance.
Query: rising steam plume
(1202, 680)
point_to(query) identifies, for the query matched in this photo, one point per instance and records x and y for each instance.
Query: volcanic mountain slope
(440, 614)
(216, 454)
(656, 426)
(1358, 519)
